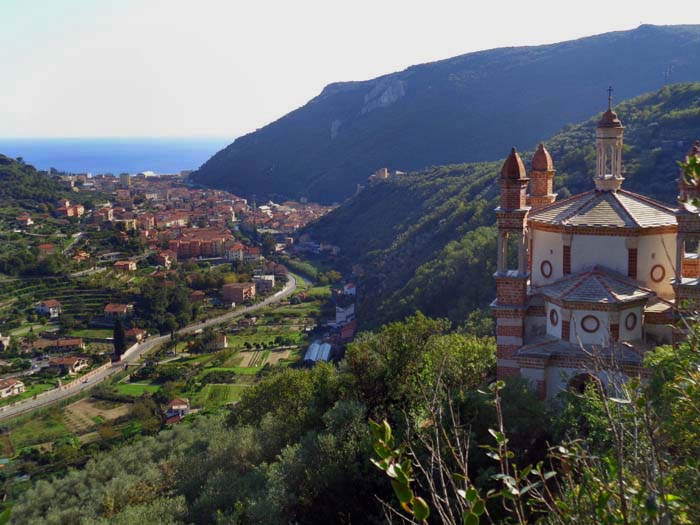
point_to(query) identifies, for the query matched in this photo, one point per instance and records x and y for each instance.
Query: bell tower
(512, 273)
(608, 145)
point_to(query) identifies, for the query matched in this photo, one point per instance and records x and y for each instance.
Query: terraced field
(215, 395)
(76, 295)
(136, 389)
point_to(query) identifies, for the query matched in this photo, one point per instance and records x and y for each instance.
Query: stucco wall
(546, 246)
(609, 251)
(600, 337)
(653, 250)
(636, 332)
(552, 330)
(590, 250)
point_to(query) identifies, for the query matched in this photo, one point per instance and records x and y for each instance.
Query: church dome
(542, 160)
(513, 167)
(609, 120)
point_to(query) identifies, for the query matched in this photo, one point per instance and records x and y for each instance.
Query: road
(54, 396)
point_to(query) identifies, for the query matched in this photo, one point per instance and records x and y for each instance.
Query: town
(144, 288)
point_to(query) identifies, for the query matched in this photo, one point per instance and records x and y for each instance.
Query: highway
(58, 394)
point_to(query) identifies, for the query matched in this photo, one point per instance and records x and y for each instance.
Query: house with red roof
(11, 387)
(50, 308)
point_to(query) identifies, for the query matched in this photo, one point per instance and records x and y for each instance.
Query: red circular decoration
(553, 317)
(658, 273)
(631, 321)
(546, 269)
(590, 324)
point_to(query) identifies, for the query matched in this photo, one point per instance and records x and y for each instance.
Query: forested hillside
(298, 448)
(426, 240)
(21, 185)
(463, 109)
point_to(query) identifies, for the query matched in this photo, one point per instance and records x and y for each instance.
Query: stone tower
(512, 272)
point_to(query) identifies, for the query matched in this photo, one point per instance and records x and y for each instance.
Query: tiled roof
(51, 303)
(620, 209)
(4, 383)
(598, 285)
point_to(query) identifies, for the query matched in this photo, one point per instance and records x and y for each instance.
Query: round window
(590, 324)
(658, 273)
(553, 317)
(546, 269)
(631, 321)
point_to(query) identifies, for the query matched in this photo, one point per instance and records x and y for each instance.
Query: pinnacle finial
(610, 92)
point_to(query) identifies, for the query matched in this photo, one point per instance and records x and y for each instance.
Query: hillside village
(150, 255)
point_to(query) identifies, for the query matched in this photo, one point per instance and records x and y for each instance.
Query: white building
(11, 387)
(596, 274)
(51, 308)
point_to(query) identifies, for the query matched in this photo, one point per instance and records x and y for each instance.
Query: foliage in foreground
(297, 447)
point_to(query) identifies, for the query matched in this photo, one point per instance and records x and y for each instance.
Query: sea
(114, 155)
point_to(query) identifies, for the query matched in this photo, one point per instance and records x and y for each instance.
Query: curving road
(58, 394)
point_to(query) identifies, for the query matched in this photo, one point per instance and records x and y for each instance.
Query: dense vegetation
(426, 241)
(463, 109)
(22, 186)
(297, 447)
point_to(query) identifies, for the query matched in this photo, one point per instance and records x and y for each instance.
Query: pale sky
(139, 68)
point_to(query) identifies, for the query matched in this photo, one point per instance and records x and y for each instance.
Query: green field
(263, 335)
(319, 292)
(244, 371)
(135, 389)
(39, 429)
(24, 329)
(96, 333)
(214, 395)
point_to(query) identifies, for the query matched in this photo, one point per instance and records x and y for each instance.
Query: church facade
(597, 274)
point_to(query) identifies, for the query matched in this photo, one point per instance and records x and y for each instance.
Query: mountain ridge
(449, 111)
(425, 241)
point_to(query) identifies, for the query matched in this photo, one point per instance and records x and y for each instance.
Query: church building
(597, 274)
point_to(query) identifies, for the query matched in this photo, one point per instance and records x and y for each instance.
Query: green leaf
(421, 511)
(478, 508)
(498, 436)
(402, 491)
(381, 450)
(469, 518)
(471, 495)
(387, 431)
